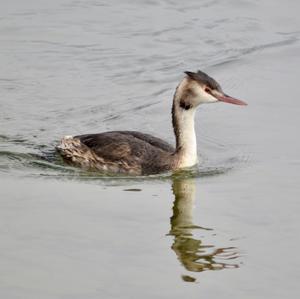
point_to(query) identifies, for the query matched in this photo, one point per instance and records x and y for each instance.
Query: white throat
(184, 128)
(187, 138)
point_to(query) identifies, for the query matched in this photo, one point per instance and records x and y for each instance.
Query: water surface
(226, 229)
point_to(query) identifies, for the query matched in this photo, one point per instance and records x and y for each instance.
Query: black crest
(203, 78)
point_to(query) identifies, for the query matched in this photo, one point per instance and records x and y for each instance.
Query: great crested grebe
(131, 152)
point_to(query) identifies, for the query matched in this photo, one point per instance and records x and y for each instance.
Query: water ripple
(30, 159)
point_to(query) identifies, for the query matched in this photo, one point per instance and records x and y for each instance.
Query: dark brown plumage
(142, 152)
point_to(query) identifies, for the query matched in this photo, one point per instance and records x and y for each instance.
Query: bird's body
(136, 153)
(124, 152)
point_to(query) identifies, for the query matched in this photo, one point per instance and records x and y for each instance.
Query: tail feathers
(68, 146)
(75, 152)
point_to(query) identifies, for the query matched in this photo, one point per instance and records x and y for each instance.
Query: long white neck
(184, 129)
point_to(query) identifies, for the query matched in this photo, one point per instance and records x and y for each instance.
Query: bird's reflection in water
(194, 254)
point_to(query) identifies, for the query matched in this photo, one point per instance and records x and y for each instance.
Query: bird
(136, 153)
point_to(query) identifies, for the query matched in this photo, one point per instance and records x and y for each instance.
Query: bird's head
(199, 88)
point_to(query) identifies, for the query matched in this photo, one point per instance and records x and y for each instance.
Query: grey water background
(227, 229)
